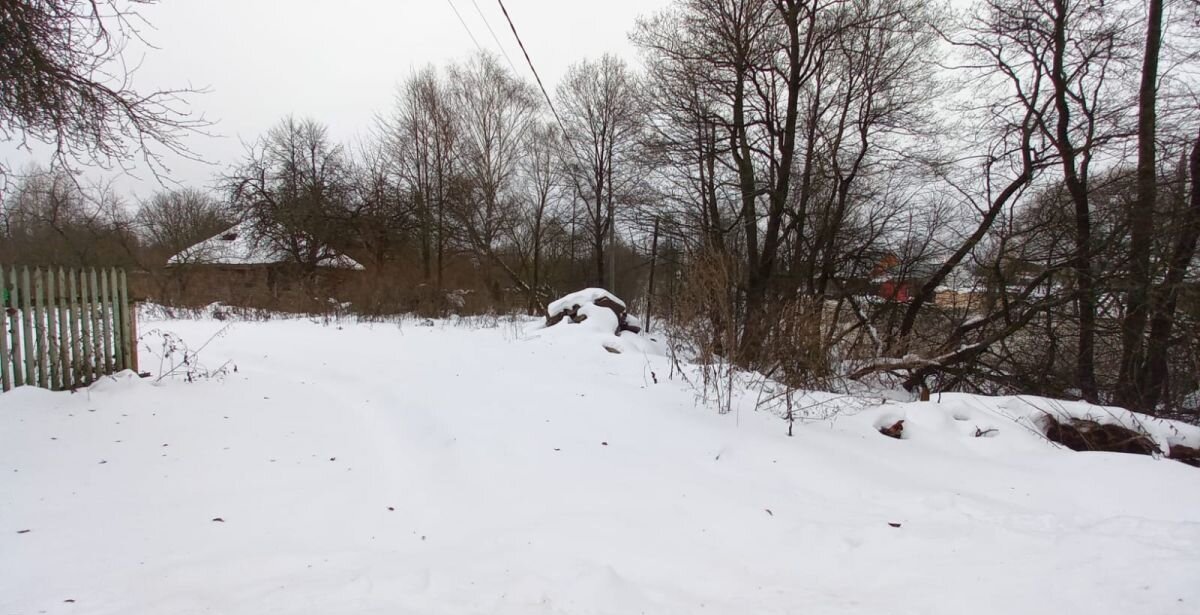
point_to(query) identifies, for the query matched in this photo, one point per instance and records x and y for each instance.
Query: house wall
(959, 299)
(273, 287)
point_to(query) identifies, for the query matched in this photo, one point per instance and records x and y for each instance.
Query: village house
(236, 268)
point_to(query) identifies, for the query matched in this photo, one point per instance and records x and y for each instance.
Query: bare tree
(786, 110)
(174, 220)
(541, 174)
(598, 102)
(1141, 213)
(293, 190)
(51, 218)
(1166, 295)
(1166, 103)
(423, 137)
(1061, 106)
(380, 214)
(65, 85)
(495, 113)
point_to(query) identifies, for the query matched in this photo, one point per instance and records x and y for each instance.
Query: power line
(535, 74)
(495, 38)
(566, 136)
(464, 24)
(557, 118)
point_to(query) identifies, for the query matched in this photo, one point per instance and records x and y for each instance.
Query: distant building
(892, 282)
(896, 281)
(231, 267)
(236, 247)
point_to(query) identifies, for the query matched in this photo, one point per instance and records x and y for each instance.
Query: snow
(582, 298)
(596, 331)
(633, 321)
(598, 326)
(974, 320)
(235, 246)
(498, 466)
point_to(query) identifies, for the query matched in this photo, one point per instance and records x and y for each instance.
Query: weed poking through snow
(178, 360)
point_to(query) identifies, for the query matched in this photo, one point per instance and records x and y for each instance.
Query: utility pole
(574, 214)
(653, 263)
(612, 231)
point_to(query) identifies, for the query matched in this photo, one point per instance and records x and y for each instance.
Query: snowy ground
(446, 469)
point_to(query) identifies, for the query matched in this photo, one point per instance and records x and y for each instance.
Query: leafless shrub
(177, 360)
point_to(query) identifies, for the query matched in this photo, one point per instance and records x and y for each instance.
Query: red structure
(891, 288)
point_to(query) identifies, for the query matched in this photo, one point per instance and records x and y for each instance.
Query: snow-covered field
(357, 468)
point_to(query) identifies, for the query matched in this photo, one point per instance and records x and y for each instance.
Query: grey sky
(339, 61)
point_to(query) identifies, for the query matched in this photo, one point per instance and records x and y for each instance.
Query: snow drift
(513, 468)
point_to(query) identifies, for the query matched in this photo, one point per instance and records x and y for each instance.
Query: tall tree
(1141, 219)
(785, 109)
(598, 100)
(495, 112)
(542, 178)
(380, 214)
(423, 138)
(1153, 378)
(293, 190)
(1072, 51)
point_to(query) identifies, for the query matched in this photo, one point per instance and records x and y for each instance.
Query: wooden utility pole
(612, 230)
(653, 264)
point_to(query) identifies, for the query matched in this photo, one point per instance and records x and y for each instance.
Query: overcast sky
(339, 61)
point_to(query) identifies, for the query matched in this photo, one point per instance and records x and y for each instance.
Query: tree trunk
(426, 238)
(1154, 373)
(1141, 222)
(1075, 178)
(753, 323)
(537, 257)
(612, 227)
(598, 244)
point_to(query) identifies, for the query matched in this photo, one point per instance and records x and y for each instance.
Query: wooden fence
(64, 329)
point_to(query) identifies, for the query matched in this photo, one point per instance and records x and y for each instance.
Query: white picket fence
(64, 329)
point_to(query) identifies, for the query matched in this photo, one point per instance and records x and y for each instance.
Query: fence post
(78, 341)
(15, 303)
(64, 332)
(128, 315)
(39, 328)
(5, 366)
(27, 327)
(106, 322)
(117, 328)
(97, 332)
(52, 343)
(85, 335)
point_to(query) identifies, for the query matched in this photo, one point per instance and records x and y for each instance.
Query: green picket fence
(64, 328)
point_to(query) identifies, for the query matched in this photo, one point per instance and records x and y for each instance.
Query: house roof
(236, 246)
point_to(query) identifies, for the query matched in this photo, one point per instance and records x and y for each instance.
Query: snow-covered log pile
(597, 315)
(591, 303)
(1081, 434)
(1074, 425)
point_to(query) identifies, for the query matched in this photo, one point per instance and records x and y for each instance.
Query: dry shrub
(797, 348)
(702, 327)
